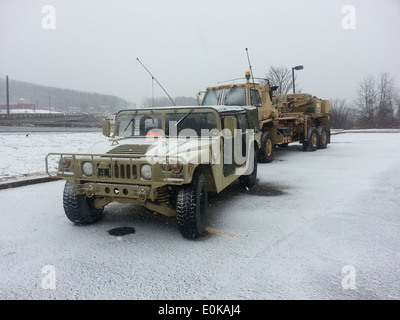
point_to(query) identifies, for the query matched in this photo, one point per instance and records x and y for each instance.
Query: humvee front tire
(266, 152)
(79, 208)
(312, 140)
(191, 207)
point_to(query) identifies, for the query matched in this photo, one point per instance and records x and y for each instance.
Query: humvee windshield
(138, 125)
(191, 125)
(177, 124)
(234, 96)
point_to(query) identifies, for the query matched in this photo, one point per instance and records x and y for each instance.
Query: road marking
(222, 233)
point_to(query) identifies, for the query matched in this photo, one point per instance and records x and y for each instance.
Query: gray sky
(190, 45)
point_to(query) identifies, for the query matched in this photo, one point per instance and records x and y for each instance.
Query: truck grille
(117, 171)
(125, 171)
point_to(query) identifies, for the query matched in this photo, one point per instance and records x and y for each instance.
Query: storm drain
(121, 231)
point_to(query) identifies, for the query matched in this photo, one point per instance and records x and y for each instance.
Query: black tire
(312, 140)
(323, 137)
(191, 207)
(248, 181)
(79, 208)
(266, 152)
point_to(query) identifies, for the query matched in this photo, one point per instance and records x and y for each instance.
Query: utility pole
(293, 79)
(7, 99)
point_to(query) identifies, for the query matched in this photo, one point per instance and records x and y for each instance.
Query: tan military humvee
(165, 159)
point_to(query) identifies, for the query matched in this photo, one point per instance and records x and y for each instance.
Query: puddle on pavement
(266, 191)
(121, 231)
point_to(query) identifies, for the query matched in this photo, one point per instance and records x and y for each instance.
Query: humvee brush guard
(165, 159)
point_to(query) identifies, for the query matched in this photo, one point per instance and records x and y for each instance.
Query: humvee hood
(185, 148)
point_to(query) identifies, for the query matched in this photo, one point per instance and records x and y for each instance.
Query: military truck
(165, 159)
(283, 118)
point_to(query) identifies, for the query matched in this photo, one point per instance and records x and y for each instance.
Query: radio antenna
(251, 71)
(153, 78)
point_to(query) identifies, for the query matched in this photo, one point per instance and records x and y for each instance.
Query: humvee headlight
(145, 171)
(87, 168)
(176, 167)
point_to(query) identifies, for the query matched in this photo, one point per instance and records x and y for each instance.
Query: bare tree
(367, 100)
(386, 102)
(281, 77)
(341, 116)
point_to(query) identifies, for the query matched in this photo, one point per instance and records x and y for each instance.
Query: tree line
(377, 105)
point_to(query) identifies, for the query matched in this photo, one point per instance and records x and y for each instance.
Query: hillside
(64, 100)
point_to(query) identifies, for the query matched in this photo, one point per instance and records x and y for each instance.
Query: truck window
(255, 98)
(235, 97)
(212, 98)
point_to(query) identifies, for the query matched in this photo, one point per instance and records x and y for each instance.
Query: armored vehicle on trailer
(283, 118)
(164, 159)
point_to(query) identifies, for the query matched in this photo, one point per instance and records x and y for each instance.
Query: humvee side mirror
(106, 127)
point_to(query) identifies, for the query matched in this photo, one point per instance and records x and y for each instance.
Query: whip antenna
(251, 71)
(153, 78)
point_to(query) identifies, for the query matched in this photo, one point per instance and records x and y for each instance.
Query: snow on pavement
(23, 154)
(311, 218)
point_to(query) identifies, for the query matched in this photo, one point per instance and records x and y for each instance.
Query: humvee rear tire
(266, 152)
(323, 137)
(79, 208)
(248, 181)
(312, 140)
(191, 207)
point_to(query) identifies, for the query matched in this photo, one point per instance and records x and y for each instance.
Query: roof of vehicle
(218, 108)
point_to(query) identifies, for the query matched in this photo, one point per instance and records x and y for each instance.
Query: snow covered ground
(23, 154)
(318, 225)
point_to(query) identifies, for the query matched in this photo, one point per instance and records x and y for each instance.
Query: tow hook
(142, 195)
(90, 191)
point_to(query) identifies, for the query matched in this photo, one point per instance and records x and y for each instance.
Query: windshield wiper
(180, 120)
(130, 121)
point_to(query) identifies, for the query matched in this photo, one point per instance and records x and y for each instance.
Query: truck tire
(191, 207)
(266, 152)
(79, 208)
(312, 140)
(248, 181)
(323, 137)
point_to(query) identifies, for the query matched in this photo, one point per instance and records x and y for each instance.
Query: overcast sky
(92, 45)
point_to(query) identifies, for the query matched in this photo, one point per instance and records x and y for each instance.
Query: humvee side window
(137, 125)
(235, 97)
(255, 98)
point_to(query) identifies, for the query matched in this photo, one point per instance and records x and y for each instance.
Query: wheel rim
(314, 140)
(269, 147)
(323, 138)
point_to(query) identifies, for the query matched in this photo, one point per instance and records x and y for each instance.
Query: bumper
(137, 192)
